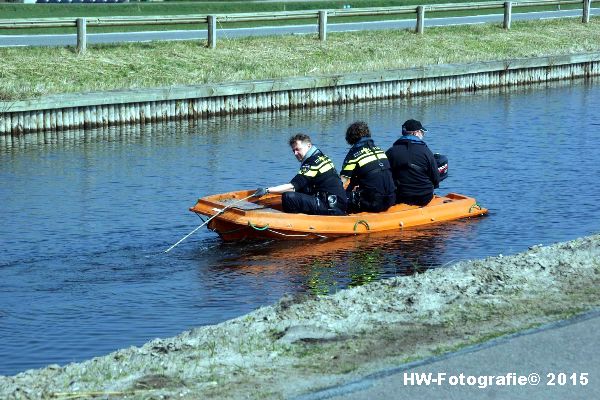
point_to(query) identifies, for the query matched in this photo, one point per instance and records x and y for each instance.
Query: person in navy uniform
(414, 167)
(366, 172)
(316, 189)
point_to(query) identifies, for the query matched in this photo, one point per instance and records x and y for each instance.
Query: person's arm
(286, 187)
(345, 181)
(347, 171)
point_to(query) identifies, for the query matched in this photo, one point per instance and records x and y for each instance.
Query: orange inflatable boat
(237, 216)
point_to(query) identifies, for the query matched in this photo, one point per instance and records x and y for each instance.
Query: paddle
(208, 220)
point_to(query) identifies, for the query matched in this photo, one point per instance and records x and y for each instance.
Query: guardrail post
(586, 11)
(420, 19)
(81, 35)
(212, 31)
(507, 14)
(323, 26)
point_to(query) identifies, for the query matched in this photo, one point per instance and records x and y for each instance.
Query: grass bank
(304, 343)
(33, 72)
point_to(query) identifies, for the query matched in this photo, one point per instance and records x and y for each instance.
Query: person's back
(366, 171)
(317, 177)
(413, 165)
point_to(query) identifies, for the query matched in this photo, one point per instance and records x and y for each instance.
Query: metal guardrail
(321, 15)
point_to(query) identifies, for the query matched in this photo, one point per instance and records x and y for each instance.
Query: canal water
(86, 215)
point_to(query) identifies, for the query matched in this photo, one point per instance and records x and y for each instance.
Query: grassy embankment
(32, 72)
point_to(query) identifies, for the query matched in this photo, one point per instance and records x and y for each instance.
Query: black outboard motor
(442, 164)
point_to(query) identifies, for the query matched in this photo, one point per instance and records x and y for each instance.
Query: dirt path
(301, 343)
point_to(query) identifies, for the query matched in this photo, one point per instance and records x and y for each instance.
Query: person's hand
(260, 192)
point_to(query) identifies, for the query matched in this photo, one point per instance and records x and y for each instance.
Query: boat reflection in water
(324, 267)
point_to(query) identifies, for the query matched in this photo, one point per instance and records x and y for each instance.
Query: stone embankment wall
(90, 110)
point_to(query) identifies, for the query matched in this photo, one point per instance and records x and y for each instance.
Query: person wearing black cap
(414, 167)
(366, 172)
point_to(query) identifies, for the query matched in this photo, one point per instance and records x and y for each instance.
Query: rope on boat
(474, 205)
(298, 235)
(264, 228)
(362, 221)
(219, 212)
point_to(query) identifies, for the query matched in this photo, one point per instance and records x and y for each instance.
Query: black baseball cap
(413, 125)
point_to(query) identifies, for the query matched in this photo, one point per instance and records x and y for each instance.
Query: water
(86, 215)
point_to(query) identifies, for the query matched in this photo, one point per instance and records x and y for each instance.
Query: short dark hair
(356, 131)
(304, 138)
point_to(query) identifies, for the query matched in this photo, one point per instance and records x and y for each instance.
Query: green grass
(32, 72)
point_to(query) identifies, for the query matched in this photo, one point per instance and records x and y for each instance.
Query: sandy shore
(305, 343)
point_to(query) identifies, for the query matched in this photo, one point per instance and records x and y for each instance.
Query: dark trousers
(415, 200)
(294, 202)
(370, 202)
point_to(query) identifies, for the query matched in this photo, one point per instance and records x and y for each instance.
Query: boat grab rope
(474, 205)
(228, 232)
(298, 235)
(219, 212)
(264, 228)
(362, 221)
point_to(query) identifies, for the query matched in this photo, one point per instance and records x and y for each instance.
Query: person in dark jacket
(414, 168)
(316, 189)
(366, 172)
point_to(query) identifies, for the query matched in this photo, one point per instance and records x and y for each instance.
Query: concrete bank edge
(294, 83)
(118, 107)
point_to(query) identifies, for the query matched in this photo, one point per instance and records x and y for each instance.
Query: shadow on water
(326, 266)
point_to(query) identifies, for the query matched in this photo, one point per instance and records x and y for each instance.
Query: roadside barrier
(321, 16)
